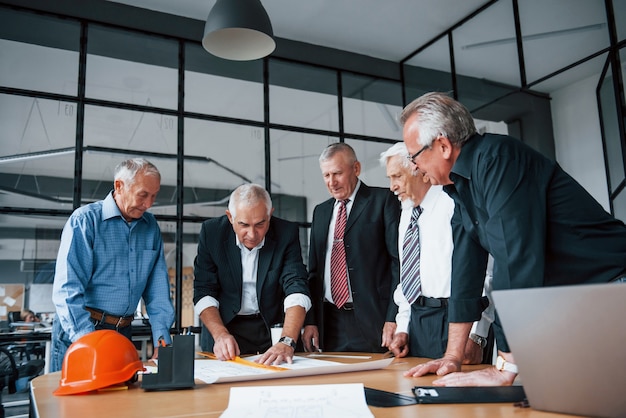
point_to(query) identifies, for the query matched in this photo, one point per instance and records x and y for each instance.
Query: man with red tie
(353, 269)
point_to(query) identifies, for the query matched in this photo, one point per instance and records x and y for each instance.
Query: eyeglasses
(412, 158)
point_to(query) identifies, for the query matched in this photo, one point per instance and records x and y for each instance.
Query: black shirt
(541, 227)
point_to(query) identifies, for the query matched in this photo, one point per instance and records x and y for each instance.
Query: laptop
(569, 343)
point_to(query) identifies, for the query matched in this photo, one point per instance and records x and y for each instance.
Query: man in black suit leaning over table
(249, 275)
(360, 315)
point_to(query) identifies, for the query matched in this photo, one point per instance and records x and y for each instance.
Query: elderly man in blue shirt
(111, 255)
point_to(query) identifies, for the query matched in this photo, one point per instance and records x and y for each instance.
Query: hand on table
(389, 329)
(226, 347)
(400, 345)
(440, 367)
(311, 339)
(489, 376)
(277, 354)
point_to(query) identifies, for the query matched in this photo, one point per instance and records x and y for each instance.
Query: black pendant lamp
(238, 30)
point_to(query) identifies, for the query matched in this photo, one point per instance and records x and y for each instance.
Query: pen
(114, 387)
(162, 342)
(315, 346)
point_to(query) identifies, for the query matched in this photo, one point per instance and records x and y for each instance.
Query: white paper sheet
(310, 401)
(215, 371)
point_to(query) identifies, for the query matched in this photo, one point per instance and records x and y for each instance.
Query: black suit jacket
(371, 241)
(280, 273)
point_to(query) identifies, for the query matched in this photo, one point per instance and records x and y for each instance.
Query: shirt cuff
(465, 310)
(158, 334)
(296, 299)
(206, 302)
(481, 328)
(403, 317)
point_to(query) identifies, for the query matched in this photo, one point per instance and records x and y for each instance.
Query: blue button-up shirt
(108, 264)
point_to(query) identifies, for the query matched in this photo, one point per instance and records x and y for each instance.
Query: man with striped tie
(425, 250)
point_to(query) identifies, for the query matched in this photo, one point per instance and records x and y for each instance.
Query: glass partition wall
(72, 111)
(77, 97)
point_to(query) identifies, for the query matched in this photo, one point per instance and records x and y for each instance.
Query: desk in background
(26, 337)
(211, 400)
(142, 334)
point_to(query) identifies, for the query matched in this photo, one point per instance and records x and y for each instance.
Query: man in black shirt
(540, 225)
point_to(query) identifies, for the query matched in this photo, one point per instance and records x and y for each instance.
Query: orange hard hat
(96, 360)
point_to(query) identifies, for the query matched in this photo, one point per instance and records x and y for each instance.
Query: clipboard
(384, 399)
(482, 394)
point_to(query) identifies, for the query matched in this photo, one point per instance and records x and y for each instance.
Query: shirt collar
(110, 209)
(244, 248)
(407, 204)
(354, 192)
(463, 164)
(430, 199)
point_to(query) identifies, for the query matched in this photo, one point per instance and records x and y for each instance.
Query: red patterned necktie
(338, 267)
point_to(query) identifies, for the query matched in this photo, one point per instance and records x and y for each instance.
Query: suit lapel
(265, 258)
(233, 253)
(325, 214)
(361, 201)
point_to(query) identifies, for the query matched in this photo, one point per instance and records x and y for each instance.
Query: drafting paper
(215, 371)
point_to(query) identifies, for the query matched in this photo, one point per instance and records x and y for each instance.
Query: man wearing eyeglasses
(541, 227)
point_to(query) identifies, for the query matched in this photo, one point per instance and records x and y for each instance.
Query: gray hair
(397, 149)
(128, 169)
(249, 194)
(439, 114)
(337, 147)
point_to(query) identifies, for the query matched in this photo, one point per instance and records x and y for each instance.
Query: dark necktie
(338, 267)
(410, 273)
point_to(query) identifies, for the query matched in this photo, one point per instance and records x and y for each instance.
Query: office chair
(8, 375)
(14, 316)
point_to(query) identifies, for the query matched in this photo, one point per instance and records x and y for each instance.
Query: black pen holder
(175, 366)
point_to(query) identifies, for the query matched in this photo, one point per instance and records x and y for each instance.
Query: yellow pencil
(244, 362)
(114, 387)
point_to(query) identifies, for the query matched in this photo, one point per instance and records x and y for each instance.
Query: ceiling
(393, 30)
(389, 30)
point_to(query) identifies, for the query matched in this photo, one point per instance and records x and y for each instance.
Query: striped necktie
(338, 267)
(410, 272)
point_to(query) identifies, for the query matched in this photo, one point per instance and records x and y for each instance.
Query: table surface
(210, 400)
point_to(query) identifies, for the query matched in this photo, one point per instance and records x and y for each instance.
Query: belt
(251, 316)
(348, 306)
(431, 302)
(118, 321)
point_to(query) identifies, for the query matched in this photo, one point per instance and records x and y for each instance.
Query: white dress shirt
(436, 245)
(249, 267)
(249, 299)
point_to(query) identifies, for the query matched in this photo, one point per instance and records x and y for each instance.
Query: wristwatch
(288, 341)
(480, 341)
(502, 364)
